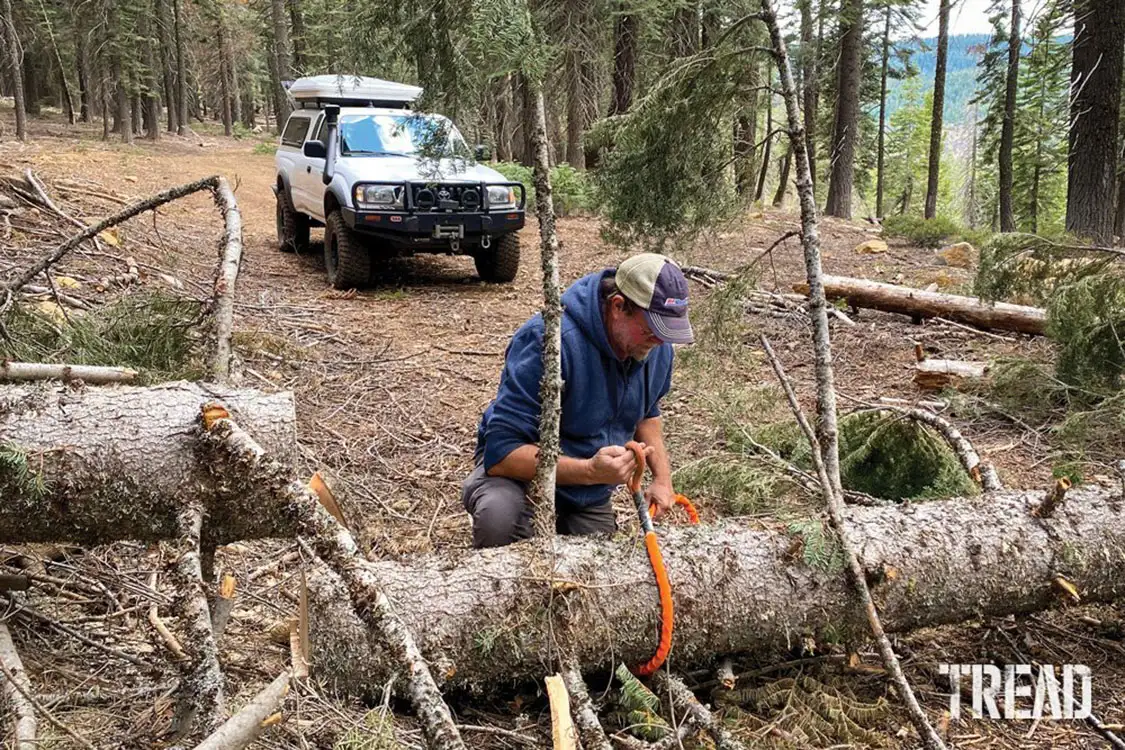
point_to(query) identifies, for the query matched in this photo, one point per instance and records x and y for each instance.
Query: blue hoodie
(603, 399)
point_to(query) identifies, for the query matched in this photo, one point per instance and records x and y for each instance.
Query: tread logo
(1025, 691)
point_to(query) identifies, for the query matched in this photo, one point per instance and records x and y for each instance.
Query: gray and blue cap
(657, 285)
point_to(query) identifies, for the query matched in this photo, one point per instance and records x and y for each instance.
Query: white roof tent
(351, 91)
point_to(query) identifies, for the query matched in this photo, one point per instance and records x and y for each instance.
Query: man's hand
(613, 464)
(660, 494)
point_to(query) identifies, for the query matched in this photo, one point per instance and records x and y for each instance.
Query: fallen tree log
(98, 465)
(918, 304)
(481, 618)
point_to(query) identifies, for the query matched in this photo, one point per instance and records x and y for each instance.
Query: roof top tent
(313, 92)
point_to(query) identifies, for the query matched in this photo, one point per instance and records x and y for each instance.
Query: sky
(968, 16)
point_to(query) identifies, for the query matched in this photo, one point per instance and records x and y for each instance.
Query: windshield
(424, 136)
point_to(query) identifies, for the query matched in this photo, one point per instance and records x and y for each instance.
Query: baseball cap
(656, 284)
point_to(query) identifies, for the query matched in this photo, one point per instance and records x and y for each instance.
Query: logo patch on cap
(675, 302)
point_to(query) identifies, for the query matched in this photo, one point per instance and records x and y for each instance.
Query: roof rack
(351, 91)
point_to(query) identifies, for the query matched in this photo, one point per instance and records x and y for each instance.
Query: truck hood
(396, 168)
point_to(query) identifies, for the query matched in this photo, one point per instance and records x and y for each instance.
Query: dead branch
(24, 711)
(91, 374)
(920, 304)
(982, 472)
(241, 729)
(335, 546)
(201, 689)
(1052, 499)
(125, 214)
(589, 728)
(19, 682)
(224, 603)
(686, 701)
(563, 734)
(225, 279)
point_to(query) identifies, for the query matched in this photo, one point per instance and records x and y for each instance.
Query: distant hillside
(965, 51)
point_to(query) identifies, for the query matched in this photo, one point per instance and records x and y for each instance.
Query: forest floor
(390, 382)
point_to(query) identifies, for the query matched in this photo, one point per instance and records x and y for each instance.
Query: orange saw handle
(692, 513)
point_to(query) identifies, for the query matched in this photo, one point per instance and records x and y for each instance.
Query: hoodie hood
(583, 305)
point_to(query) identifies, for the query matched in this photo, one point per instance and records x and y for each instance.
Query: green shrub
(265, 147)
(570, 188)
(928, 233)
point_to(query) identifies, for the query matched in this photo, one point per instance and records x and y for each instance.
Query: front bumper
(422, 229)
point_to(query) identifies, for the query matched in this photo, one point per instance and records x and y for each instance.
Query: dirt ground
(390, 382)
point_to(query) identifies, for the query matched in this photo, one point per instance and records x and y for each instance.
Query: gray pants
(502, 515)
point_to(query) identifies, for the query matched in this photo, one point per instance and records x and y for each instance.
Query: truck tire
(292, 227)
(499, 263)
(346, 259)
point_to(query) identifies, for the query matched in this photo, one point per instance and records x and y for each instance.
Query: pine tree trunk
(1099, 40)
(281, 60)
(575, 108)
(880, 148)
(973, 176)
(502, 95)
(15, 66)
(684, 30)
(67, 99)
(178, 33)
(32, 76)
(151, 42)
(248, 114)
(224, 75)
(810, 54)
(85, 85)
(164, 33)
(624, 59)
(783, 178)
(936, 118)
(527, 119)
(841, 181)
(768, 138)
(123, 114)
(1119, 216)
(485, 622)
(297, 16)
(1008, 129)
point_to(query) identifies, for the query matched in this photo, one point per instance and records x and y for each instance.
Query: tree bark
(224, 74)
(550, 388)
(625, 31)
(281, 58)
(880, 149)
(85, 86)
(1008, 129)
(760, 189)
(297, 16)
(15, 66)
(783, 177)
(937, 116)
(117, 463)
(502, 89)
(841, 179)
(575, 108)
(165, 33)
(684, 29)
(1095, 83)
(482, 620)
(918, 303)
(181, 68)
(810, 57)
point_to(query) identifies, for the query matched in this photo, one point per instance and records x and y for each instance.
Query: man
(618, 328)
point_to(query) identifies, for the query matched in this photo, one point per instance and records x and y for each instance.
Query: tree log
(105, 464)
(937, 374)
(481, 617)
(918, 303)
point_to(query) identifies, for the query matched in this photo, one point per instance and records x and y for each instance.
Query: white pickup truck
(385, 180)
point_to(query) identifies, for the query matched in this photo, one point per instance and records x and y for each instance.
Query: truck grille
(445, 198)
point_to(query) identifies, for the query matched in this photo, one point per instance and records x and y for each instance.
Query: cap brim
(670, 329)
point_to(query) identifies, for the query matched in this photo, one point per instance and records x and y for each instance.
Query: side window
(320, 130)
(295, 130)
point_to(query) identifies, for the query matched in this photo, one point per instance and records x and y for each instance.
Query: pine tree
(846, 123)
(1015, 44)
(936, 125)
(1099, 41)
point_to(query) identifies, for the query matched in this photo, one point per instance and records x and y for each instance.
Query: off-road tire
(499, 263)
(292, 226)
(346, 258)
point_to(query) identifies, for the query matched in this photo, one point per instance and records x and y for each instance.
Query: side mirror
(315, 150)
(482, 152)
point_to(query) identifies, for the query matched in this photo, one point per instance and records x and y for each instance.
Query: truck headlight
(501, 196)
(378, 196)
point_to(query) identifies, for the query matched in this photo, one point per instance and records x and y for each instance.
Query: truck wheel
(500, 262)
(346, 258)
(292, 227)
